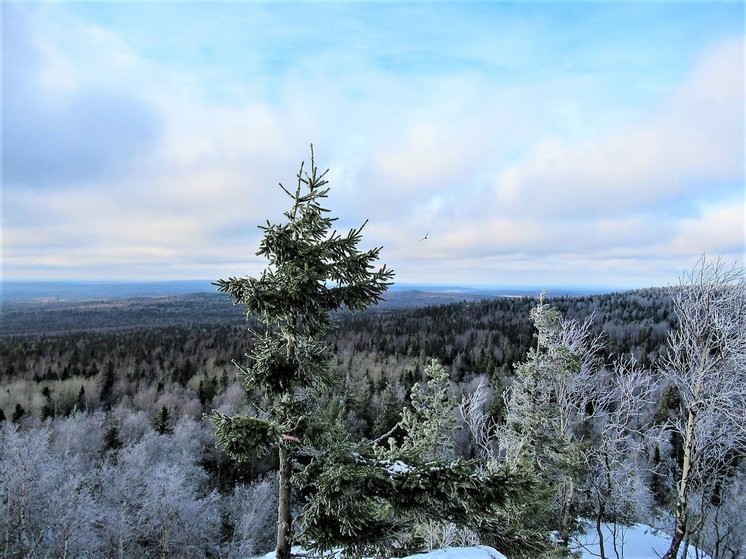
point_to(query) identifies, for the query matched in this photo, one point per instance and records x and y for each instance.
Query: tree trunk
(683, 494)
(283, 513)
(565, 513)
(600, 532)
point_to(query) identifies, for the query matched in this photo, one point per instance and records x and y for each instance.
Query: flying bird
(425, 237)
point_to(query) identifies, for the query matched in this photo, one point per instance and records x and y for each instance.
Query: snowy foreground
(639, 542)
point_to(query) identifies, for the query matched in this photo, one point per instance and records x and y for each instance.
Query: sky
(534, 143)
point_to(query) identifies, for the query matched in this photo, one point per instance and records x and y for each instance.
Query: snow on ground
(481, 552)
(639, 541)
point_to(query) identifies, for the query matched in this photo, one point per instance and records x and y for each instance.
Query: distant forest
(116, 391)
(174, 356)
(59, 357)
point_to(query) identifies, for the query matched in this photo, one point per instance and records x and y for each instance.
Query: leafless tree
(618, 490)
(706, 361)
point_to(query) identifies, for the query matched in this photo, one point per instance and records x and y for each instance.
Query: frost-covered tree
(313, 271)
(706, 362)
(250, 513)
(617, 486)
(430, 421)
(548, 407)
(723, 535)
(46, 507)
(154, 499)
(391, 495)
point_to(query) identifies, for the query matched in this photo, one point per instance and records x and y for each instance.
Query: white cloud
(718, 230)
(694, 139)
(511, 172)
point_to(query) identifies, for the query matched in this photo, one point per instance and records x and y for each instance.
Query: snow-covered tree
(549, 405)
(617, 485)
(389, 495)
(46, 506)
(723, 535)
(313, 271)
(154, 499)
(706, 362)
(250, 515)
(430, 422)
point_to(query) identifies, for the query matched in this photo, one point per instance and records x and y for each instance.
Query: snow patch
(480, 552)
(638, 541)
(398, 467)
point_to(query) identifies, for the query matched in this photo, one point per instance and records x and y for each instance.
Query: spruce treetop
(313, 269)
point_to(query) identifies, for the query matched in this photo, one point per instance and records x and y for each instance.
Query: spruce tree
(312, 271)
(430, 422)
(549, 407)
(162, 423)
(372, 498)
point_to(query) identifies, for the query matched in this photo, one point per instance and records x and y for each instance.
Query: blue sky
(539, 143)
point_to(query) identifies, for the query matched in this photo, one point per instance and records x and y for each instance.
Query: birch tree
(618, 492)
(706, 362)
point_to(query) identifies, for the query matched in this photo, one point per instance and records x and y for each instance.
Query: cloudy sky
(538, 143)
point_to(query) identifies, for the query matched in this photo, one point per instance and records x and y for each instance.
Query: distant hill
(96, 290)
(398, 294)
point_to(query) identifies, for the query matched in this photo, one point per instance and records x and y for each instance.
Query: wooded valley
(116, 391)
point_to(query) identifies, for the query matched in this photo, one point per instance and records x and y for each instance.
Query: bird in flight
(425, 237)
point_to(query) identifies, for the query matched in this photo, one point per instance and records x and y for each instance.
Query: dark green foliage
(366, 504)
(47, 410)
(389, 411)
(243, 437)
(162, 422)
(111, 437)
(312, 271)
(208, 388)
(18, 413)
(82, 403)
(368, 498)
(107, 385)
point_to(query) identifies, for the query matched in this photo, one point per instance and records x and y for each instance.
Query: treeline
(39, 316)
(188, 367)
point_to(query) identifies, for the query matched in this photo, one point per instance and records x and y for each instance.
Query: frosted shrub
(438, 535)
(252, 513)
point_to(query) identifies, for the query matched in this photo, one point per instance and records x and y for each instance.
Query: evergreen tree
(370, 499)
(82, 400)
(430, 422)
(111, 436)
(550, 405)
(162, 423)
(107, 385)
(389, 410)
(48, 409)
(313, 271)
(18, 413)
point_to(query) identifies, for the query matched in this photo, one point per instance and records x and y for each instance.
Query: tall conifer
(312, 271)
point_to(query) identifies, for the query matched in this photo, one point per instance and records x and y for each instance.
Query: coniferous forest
(106, 451)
